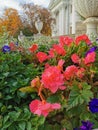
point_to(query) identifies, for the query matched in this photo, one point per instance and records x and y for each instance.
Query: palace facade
(68, 21)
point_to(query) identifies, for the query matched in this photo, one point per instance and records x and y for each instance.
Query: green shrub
(16, 71)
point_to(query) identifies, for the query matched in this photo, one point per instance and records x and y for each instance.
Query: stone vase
(39, 25)
(89, 10)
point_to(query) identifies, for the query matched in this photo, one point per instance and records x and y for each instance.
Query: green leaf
(86, 86)
(54, 98)
(37, 121)
(22, 125)
(6, 125)
(26, 114)
(29, 126)
(8, 97)
(86, 94)
(57, 127)
(1, 121)
(85, 115)
(78, 97)
(74, 99)
(67, 124)
(46, 127)
(6, 118)
(12, 127)
(28, 89)
(14, 115)
(6, 74)
(41, 120)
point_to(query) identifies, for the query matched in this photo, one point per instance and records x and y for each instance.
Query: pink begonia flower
(53, 79)
(33, 48)
(59, 49)
(61, 63)
(82, 38)
(80, 73)
(75, 58)
(43, 108)
(65, 40)
(51, 53)
(35, 82)
(90, 58)
(12, 46)
(42, 56)
(70, 72)
(47, 65)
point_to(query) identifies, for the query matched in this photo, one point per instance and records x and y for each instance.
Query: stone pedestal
(37, 36)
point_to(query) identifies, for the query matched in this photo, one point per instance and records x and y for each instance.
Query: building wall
(67, 19)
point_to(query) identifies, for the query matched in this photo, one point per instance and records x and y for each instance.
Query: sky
(16, 4)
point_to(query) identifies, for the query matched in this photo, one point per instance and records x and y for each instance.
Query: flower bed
(65, 81)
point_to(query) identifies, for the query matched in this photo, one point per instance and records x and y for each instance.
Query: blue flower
(91, 50)
(93, 105)
(6, 48)
(86, 125)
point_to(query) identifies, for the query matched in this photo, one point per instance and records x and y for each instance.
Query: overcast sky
(16, 3)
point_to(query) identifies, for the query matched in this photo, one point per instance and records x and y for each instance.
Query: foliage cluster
(69, 79)
(17, 69)
(19, 66)
(13, 22)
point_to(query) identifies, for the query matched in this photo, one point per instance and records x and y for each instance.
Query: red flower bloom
(12, 46)
(90, 58)
(53, 79)
(35, 82)
(60, 64)
(59, 49)
(70, 72)
(75, 58)
(80, 73)
(82, 38)
(51, 53)
(47, 65)
(65, 40)
(41, 56)
(42, 108)
(33, 48)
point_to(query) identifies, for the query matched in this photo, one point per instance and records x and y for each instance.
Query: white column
(57, 22)
(62, 20)
(53, 25)
(67, 19)
(73, 18)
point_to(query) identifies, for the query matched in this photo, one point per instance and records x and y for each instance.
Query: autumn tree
(32, 12)
(11, 21)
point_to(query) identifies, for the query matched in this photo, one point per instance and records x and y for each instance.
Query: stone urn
(89, 10)
(21, 37)
(39, 25)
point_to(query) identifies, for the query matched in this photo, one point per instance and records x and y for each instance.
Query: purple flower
(86, 125)
(75, 128)
(16, 43)
(96, 39)
(93, 105)
(91, 50)
(6, 48)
